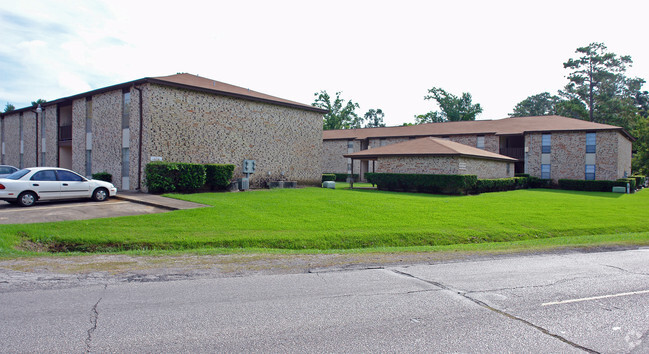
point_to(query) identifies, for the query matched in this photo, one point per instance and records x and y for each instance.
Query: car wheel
(26, 199)
(100, 194)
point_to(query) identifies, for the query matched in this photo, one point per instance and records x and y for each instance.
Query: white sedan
(25, 187)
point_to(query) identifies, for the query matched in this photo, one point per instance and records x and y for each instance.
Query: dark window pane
(69, 176)
(48, 175)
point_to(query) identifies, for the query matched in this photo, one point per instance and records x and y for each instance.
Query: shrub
(592, 186)
(500, 184)
(631, 181)
(328, 177)
(342, 177)
(444, 184)
(521, 175)
(218, 176)
(103, 176)
(164, 177)
(639, 180)
(535, 182)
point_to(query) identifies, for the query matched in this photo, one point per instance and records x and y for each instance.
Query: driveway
(73, 210)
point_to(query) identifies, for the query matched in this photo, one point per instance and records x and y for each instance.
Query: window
(546, 143)
(47, 175)
(480, 142)
(591, 143)
(545, 171)
(69, 176)
(350, 144)
(89, 116)
(88, 162)
(590, 172)
(126, 104)
(125, 162)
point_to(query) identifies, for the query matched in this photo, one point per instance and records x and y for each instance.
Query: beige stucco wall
(190, 126)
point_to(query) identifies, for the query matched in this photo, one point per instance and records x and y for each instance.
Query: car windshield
(5, 170)
(18, 174)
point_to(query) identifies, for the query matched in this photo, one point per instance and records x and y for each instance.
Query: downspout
(139, 147)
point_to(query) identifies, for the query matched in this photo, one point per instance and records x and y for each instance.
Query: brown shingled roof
(427, 147)
(193, 81)
(507, 126)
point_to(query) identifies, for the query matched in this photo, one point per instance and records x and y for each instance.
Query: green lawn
(342, 219)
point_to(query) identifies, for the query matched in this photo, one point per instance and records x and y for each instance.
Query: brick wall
(484, 168)
(190, 126)
(12, 139)
(51, 136)
(624, 156)
(107, 135)
(79, 136)
(418, 164)
(332, 156)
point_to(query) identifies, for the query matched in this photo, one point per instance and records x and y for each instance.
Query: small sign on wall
(156, 158)
(462, 166)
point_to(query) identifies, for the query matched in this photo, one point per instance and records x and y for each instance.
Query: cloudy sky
(380, 54)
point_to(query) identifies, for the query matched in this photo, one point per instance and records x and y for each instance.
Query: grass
(325, 220)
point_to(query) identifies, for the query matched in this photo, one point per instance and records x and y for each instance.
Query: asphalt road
(575, 302)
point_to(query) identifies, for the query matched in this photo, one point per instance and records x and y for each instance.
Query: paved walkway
(158, 201)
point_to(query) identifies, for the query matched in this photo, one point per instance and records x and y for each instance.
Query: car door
(45, 184)
(73, 185)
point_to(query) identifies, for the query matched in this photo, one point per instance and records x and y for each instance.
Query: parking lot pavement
(73, 210)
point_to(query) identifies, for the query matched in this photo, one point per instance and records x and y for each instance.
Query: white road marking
(41, 207)
(595, 298)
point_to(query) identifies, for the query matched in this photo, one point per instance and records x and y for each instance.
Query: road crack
(94, 316)
(623, 270)
(500, 312)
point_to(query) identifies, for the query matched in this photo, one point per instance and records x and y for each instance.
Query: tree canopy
(38, 101)
(452, 108)
(543, 104)
(374, 118)
(342, 115)
(9, 107)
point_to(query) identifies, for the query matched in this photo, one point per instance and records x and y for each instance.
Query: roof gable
(428, 147)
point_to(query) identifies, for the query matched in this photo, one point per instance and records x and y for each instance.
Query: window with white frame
(591, 143)
(480, 142)
(545, 171)
(590, 172)
(546, 142)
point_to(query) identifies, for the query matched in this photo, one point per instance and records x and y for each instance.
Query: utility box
(619, 189)
(244, 183)
(329, 184)
(249, 166)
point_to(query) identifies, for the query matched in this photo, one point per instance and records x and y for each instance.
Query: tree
(640, 161)
(341, 115)
(9, 107)
(543, 104)
(596, 77)
(374, 118)
(452, 108)
(38, 101)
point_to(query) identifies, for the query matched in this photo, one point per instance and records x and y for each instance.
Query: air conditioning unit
(244, 183)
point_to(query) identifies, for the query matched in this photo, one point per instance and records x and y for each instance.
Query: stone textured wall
(568, 155)
(29, 139)
(332, 156)
(485, 169)
(79, 136)
(51, 136)
(107, 135)
(624, 155)
(134, 131)
(418, 164)
(12, 139)
(190, 126)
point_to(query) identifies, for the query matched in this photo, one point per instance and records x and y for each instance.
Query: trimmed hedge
(218, 176)
(500, 184)
(591, 186)
(328, 177)
(428, 183)
(639, 180)
(631, 181)
(521, 175)
(165, 177)
(535, 182)
(342, 177)
(103, 176)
